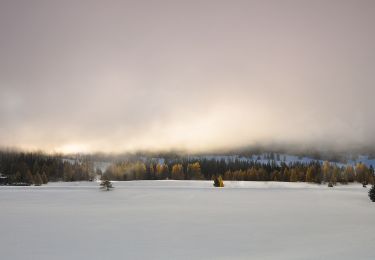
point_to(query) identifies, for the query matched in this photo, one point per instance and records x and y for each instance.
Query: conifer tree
(152, 171)
(37, 179)
(29, 177)
(228, 175)
(253, 174)
(335, 175)
(177, 172)
(140, 170)
(310, 174)
(371, 176)
(344, 177)
(194, 170)
(263, 175)
(293, 175)
(44, 178)
(162, 171)
(68, 172)
(106, 185)
(35, 167)
(361, 171)
(333, 180)
(371, 193)
(275, 176)
(17, 177)
(326, 171)
(349, 171)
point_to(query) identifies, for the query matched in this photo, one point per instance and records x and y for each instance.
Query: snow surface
(186, 220)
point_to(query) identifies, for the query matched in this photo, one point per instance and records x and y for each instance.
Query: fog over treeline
(192, 76)
(24, 169)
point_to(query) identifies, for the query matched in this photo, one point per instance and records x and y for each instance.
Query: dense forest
(38, 168)
(203, 169)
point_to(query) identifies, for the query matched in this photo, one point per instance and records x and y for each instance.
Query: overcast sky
(118, 76)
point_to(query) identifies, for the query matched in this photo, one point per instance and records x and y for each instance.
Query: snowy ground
(186, 220)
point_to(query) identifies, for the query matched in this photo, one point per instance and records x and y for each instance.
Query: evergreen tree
(286, 175)
(326, 171)
(275, 176)
(293, 175)
(253, 174)
(35, 167)
(333, 180)
(106, 185)
(140, 171)
(228, 175)
(29, 177)
(349, 171)
(335, 175)
(371, 193)
(44, 178)
(152, 171)
(344, 177)
(68, 172)
(310, 174)
(37, 179)
(371, 175)
(162, 171)
(17, 177)
(263, 175)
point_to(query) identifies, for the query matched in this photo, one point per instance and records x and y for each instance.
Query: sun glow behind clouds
(72, 148)
(194, 75)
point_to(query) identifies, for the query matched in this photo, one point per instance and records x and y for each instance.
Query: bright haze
(115, 76)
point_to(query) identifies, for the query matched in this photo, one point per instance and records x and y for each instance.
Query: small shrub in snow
(371, 193)
(106, 185)
(330, 184)
(218, 181)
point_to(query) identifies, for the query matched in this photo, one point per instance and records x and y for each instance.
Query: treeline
(238, 170)
(39, 168)
(176, 168)
(313, 172)
(139, 171)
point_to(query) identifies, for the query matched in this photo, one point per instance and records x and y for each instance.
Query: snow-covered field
(186, 220)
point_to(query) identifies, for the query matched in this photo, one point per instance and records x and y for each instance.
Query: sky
(116, 76)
